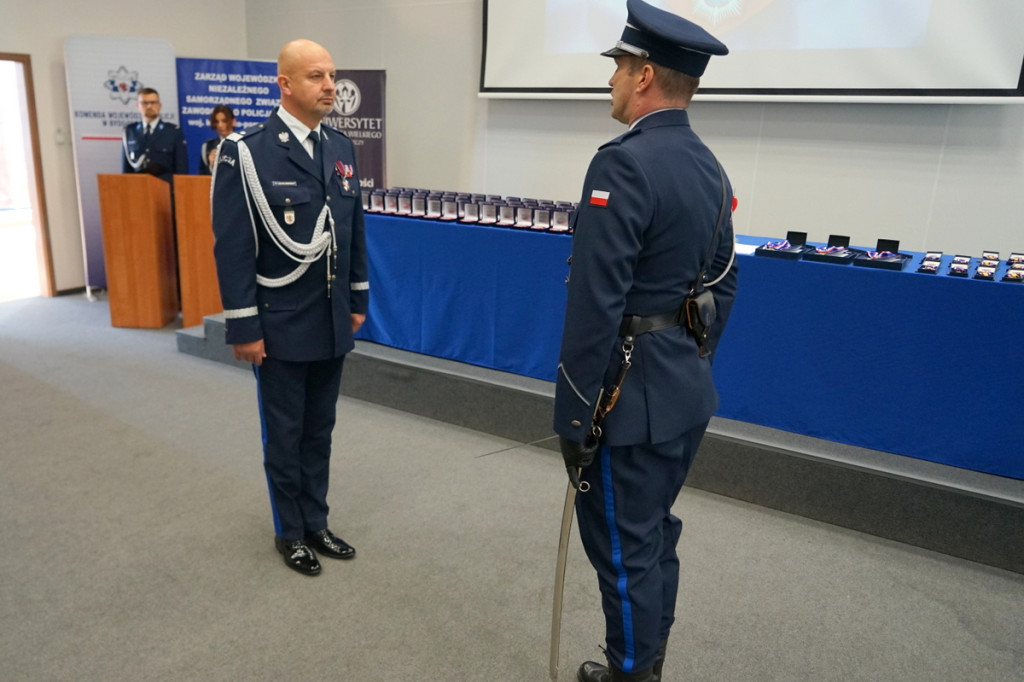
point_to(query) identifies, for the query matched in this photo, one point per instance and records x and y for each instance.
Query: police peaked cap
(666, 39)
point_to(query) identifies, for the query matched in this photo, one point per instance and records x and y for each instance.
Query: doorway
(26, 268)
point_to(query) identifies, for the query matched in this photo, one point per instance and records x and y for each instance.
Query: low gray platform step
(962, 513)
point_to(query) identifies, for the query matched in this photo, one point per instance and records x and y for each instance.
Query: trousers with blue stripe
(298, 407)
(630, 536)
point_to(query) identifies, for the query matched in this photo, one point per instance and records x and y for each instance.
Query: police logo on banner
(123, 84)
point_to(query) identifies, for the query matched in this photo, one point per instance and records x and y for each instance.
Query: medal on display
(289, 216)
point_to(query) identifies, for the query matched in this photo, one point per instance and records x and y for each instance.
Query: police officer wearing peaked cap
(655, 213)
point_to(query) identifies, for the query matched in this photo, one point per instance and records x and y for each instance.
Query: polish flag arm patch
(599, 197)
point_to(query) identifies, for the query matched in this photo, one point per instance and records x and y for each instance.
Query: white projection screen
(829, 50)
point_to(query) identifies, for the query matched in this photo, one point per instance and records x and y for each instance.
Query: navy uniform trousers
(630, 536)
(298, 409)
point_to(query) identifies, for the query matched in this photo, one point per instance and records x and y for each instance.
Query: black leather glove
(577, 456)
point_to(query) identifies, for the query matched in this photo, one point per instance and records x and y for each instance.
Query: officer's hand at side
(250, 352)
(357, 321)
(576, 456)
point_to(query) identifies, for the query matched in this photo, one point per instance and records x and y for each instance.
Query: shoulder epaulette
(251, 130)
(621, 138)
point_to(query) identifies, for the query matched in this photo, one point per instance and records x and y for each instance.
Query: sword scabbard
(563, 554)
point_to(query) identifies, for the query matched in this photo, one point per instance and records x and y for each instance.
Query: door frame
(38, 192)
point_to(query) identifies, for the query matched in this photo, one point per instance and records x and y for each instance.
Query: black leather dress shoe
(595, 672)
(298, 556)
(328, 544)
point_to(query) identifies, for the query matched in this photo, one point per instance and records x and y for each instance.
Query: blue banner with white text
(250, 89)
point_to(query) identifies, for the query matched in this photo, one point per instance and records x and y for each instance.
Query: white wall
(196, 28)
(943, 177)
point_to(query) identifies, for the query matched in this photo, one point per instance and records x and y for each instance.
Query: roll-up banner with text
(105, 74)
(250, 89)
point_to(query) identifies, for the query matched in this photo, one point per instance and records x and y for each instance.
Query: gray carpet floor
(138, 546)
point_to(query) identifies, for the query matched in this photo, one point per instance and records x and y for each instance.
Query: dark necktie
(314, 137)
(146, 134)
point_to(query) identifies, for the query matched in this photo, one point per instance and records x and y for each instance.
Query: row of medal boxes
(986, 268)
(483, 209)
(795, 247)
(887, 256)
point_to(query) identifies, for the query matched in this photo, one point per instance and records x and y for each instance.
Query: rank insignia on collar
(283, 137)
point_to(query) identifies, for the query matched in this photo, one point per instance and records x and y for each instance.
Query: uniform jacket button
(576, 422)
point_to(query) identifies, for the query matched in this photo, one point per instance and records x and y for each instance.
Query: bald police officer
(655, 214)
(291, 263)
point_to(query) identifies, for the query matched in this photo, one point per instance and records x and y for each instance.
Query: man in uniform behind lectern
(291, 263)
(151, 145)
(651, 258)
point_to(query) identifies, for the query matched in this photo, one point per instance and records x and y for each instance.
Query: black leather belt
(634, 325)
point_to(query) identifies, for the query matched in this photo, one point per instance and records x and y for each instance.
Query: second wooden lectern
(200, 293)
(138, 249)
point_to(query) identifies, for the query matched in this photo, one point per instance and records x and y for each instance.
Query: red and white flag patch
(599, 197)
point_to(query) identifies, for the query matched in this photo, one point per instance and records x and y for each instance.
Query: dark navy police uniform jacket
(307, 319)
(163, 155)
(651, 199)
(204, 153)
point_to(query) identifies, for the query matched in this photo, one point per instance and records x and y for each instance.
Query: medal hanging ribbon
(344, 170)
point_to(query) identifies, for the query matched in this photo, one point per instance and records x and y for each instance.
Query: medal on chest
(289, 216)
(344, 171)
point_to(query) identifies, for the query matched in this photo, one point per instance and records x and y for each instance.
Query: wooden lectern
(200, 293)
(138, 248)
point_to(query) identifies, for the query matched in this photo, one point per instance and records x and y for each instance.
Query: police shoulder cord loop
(303, 254)
(136, 165)
(728, 267)
(707, 256)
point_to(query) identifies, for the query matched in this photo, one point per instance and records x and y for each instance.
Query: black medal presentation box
(837, 251)
(886, 256)
(930, 263)
(1014, 268)
(792, 248)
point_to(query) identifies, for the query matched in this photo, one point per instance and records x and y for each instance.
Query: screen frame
(823, 95)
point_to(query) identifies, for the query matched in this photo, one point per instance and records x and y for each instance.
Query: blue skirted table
(926, 366)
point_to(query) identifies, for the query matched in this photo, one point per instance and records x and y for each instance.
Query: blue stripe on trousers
(620, 570)
(263, 440)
